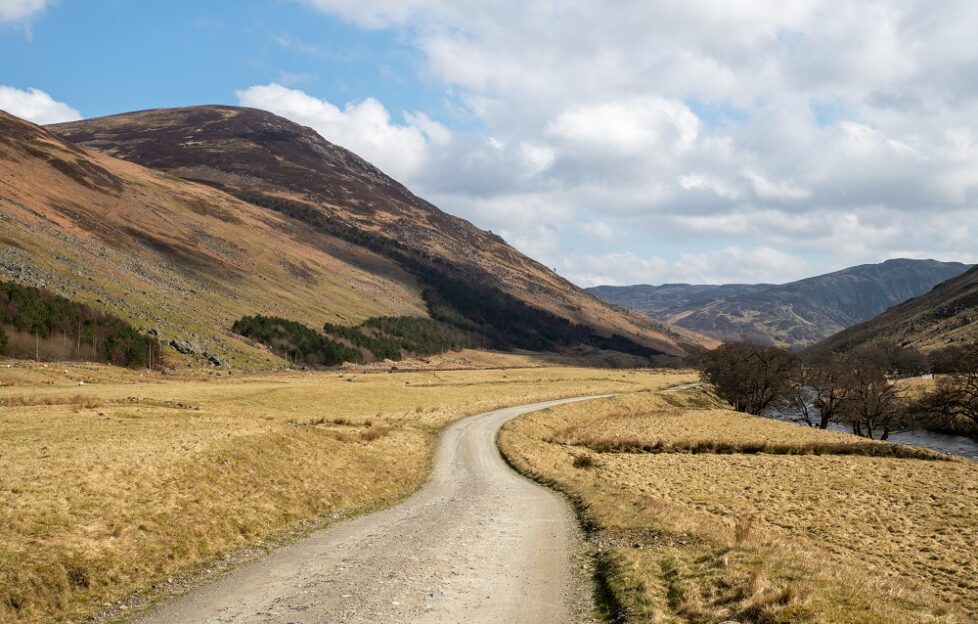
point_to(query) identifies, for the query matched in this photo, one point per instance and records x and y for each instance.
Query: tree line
(294, 341)
(389, 337)
(382, 337)
(37, 324)
(855, 388)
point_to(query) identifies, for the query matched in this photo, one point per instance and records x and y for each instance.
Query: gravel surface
(477, 544)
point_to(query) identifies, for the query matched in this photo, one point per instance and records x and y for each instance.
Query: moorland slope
(177, 259)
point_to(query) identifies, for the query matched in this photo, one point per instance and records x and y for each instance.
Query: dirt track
(477, 544)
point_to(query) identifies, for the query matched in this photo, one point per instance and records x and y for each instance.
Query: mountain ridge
(794, 315)
(179, 259)
(946, 314)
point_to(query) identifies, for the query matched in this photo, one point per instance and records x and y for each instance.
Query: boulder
(185, 346)
(215, 359)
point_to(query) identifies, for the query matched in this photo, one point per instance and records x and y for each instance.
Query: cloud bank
(706, 135)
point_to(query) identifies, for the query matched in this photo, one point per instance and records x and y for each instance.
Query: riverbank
(940, 441)
(961, 446)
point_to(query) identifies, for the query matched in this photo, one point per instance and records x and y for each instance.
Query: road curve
(478, 544)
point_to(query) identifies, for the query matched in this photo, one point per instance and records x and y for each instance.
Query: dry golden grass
(666, 428)
(915, 386)
(757, 537)
(116, 485)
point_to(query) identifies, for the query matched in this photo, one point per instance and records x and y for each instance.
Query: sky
(635, 141)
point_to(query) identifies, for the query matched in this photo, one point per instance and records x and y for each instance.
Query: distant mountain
(793, 315)
(660, 301)
(946, 315)
(182, 221)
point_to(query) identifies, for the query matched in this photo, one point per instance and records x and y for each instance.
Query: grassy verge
(755, 537)
(113, 483)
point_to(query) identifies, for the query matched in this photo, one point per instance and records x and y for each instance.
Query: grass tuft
(584, 461)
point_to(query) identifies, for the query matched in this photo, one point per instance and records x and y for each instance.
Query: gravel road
(477, 544)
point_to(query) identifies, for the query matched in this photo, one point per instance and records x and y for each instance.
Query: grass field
(752, 535)
(115, 481)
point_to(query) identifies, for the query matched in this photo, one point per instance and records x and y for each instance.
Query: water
(943, 442)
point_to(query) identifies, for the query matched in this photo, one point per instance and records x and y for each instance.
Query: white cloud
(600, 230)
(716, 185)
(834, 132)
(775, 190)
(364, 127)
(35, 105)
(732, 264)
(628, 129)
(20, 10)
(536, 158)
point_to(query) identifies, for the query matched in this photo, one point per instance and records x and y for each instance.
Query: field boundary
(711, 447)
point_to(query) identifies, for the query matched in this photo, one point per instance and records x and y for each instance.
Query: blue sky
(662, 141)
(110, 57)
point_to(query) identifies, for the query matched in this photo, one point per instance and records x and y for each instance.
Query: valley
(134, 496)
(945, 316)
(424, 312)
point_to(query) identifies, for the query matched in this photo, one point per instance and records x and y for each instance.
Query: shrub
(584, 461)
(374, 433)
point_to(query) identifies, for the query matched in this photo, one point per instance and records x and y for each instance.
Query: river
(945, 443)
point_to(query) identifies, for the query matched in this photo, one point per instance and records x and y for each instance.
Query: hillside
(793, 315)
(945, 315)
(176, 259)
(290, 173)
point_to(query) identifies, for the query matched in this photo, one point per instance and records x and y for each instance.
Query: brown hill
(181, 259)
(947, 314)
(290, 171)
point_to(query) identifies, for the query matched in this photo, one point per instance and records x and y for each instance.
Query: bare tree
(832, 384)
(953, 404)
(949, 360)
(893, 358)
(875, 407)
(799, 397)
(751, 377)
